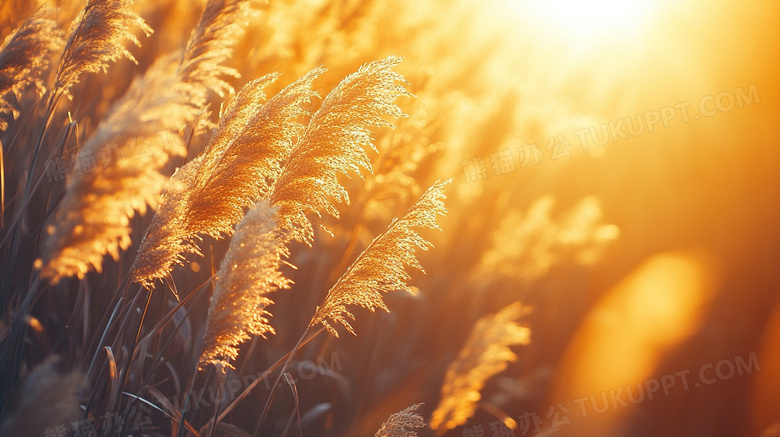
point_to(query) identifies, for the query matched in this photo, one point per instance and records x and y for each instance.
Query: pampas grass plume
(485, 354)
(402, 424)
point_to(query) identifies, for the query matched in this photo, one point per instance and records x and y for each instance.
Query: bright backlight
(587, 20)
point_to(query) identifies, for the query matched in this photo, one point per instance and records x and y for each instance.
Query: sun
(587, 20)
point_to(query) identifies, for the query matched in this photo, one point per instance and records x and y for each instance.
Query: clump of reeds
(208, 195)
(139, 135)
(333, 144)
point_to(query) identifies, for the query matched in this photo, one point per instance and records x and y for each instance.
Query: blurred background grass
(643, 257)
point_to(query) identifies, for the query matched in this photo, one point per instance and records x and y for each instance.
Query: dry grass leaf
(95, 40)
(485, 354)
(382, 265)
(24, 57)
(402, 424)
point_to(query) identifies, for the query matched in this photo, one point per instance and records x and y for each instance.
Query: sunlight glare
(629, 331)
(584, 21)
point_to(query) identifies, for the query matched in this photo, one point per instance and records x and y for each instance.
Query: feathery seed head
(24, 56)
(240, 163)
(334, 144)
(246, 154)
(165, 242)
(249, 272)
(402, 424)
(381, 266)
(220, 25)
(485, 354)
(95, 40)
(127, 154)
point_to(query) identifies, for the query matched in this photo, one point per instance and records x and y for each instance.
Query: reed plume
(164, 243)
(154, 109)
(486, 353)
(249, 271)
(235, 171)
(95, 40)
(528, 244)
(401, 153)
(220, 25)
(24, 57)
(253, 159)
(119, 173)
(381, 266)
(334, 143)
(237, 167)
(235, 117)
(402, 424)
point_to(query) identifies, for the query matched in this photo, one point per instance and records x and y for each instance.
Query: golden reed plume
(24, 57)
(334, 143)
(250, 270)
(485, 354)
(119, 173)
(236, 172)
(95, 40)
(250, 154)
(381, 266)
(143, 131)
(208, 195)
(211, 44)
(402, 424)
(162, 245)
